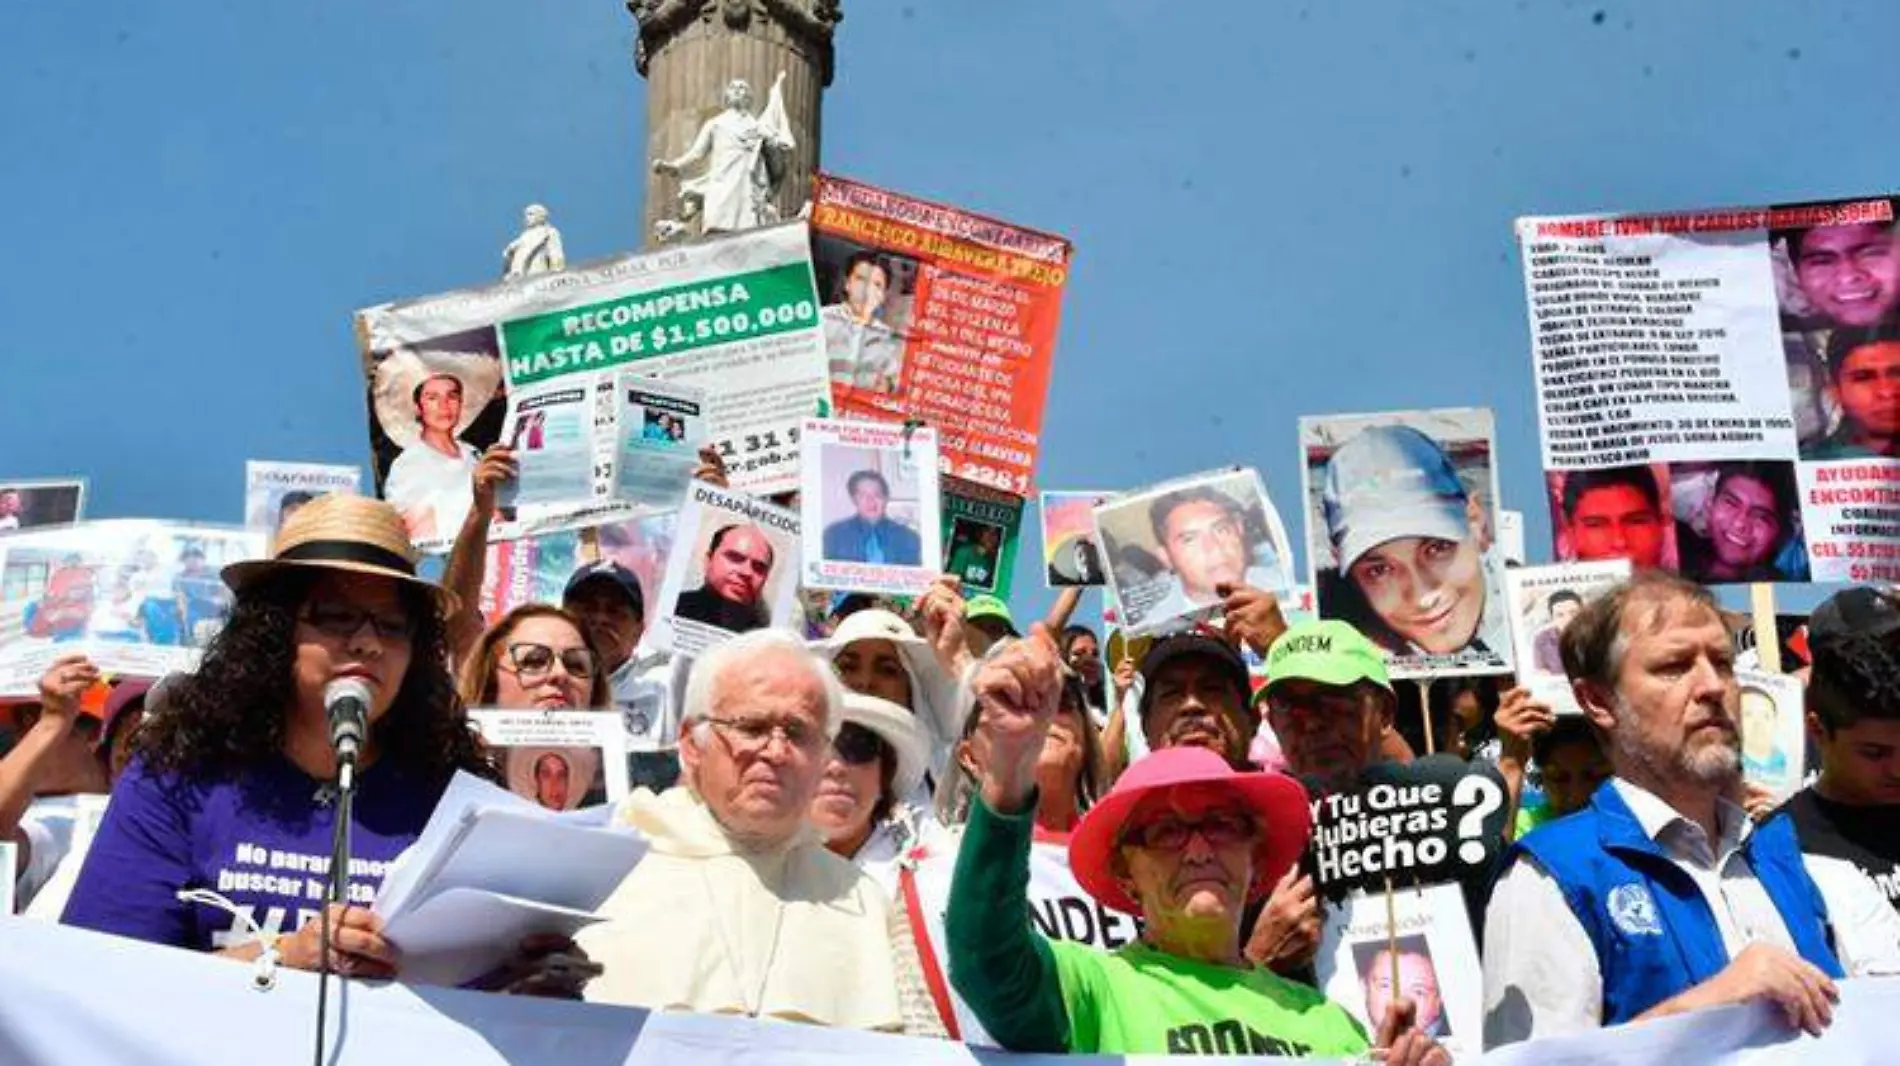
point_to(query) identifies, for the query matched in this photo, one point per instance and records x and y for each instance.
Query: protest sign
(662, 426)
(981, 527)
(28, 504)
(1172, 547)
(528, 570)
(1774, 735)
(1742, 350)
(555, 429)
(1434, 820)
(138, 597)
(80, 998)
(736, 316)
(1543, 601)
(1400, 532)
(1511, 537)
(273, 491)
(1058, 908)
(942, 316)
(1618, 512)
(1071, 556)
(733, 569)
(562, 760)
(871, 505)
(1428, 940)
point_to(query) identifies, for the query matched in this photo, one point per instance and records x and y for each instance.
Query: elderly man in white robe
(739, 908)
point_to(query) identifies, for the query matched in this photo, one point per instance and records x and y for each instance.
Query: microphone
(346, 705)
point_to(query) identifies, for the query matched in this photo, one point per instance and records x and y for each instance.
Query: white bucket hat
(900, 729)
(933, 692)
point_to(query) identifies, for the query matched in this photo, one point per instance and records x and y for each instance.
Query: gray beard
(1711, 765)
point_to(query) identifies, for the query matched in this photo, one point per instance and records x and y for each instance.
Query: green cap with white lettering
(1330, 652)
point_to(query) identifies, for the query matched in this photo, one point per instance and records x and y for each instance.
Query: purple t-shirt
(260, 839)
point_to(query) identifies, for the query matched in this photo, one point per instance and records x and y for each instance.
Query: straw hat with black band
(346, 533)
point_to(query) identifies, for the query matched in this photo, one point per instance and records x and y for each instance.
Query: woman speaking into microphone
(230, 787)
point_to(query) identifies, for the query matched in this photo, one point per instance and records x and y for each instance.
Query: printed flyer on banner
(1401, 534)
(736, 316)
(1717, 378)
(981, 526)
(562, 760)
(939, 315)
(1171, 548)
(553, 428)
(662, 426)
(1058, 908)
(1774, 733)
(870, 505)
(273, 491)
(140, 598)
(734, 568)
(29, 504)
(1071, 556)
(1543, 601)
(1426, 954)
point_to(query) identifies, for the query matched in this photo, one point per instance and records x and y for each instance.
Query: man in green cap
(1330, 704)
(986, 621)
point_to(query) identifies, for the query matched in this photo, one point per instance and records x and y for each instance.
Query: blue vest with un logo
(1654, 933)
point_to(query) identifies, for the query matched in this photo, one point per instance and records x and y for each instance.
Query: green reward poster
(980, 527)
(736, 316)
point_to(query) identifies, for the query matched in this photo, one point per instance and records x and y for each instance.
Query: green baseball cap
(1330, 652)
(987, 606)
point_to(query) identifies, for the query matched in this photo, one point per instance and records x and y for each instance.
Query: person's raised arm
(1520, 719)
(1251, 616)
(1003, 969)
(940, 609)
(1063, 609)
(468, 558)
(60, 689)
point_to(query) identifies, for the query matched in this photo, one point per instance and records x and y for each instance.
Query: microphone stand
(337, 891)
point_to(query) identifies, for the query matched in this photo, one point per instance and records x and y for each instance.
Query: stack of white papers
(491, 868)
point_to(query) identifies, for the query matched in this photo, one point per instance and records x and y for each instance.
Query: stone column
(689, 49)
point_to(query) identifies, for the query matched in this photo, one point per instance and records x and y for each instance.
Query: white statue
(538, 249)
(748, 154)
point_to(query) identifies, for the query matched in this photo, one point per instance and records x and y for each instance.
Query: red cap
(1277, 801)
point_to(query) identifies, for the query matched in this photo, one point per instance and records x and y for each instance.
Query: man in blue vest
(1656, 898)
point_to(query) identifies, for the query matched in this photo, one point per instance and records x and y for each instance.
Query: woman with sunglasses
(536, 658)
(876, 759)
(229, 791)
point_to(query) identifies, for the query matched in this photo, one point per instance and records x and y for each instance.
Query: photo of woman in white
(425, 403)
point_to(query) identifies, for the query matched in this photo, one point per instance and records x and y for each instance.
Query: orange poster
(939, 315)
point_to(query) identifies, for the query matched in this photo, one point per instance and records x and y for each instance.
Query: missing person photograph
(867, 297)
(871, 506)
(275, 491)
(976, 553)
(560, 760)
(1071, 556)
(1543, 600)
(1411, 957)
(1400, 514)
(732, 571)
(1175, 550)
(434, 407)
(1738, 522)
(27, 504)
(1617, 512)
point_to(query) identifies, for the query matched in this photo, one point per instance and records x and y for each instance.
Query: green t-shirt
(1139, 1001)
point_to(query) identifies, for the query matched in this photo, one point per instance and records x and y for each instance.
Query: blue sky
(1278, 208)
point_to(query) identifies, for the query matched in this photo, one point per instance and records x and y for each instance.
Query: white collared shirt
(1541, 974)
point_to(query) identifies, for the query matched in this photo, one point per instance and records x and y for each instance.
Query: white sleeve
(1866, 927)
(49, 836)
(1540, 971)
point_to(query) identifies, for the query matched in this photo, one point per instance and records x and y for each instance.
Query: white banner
(75, 998)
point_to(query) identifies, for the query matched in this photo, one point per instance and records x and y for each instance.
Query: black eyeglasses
(857, 746)
(534, 662)
(342, 621)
